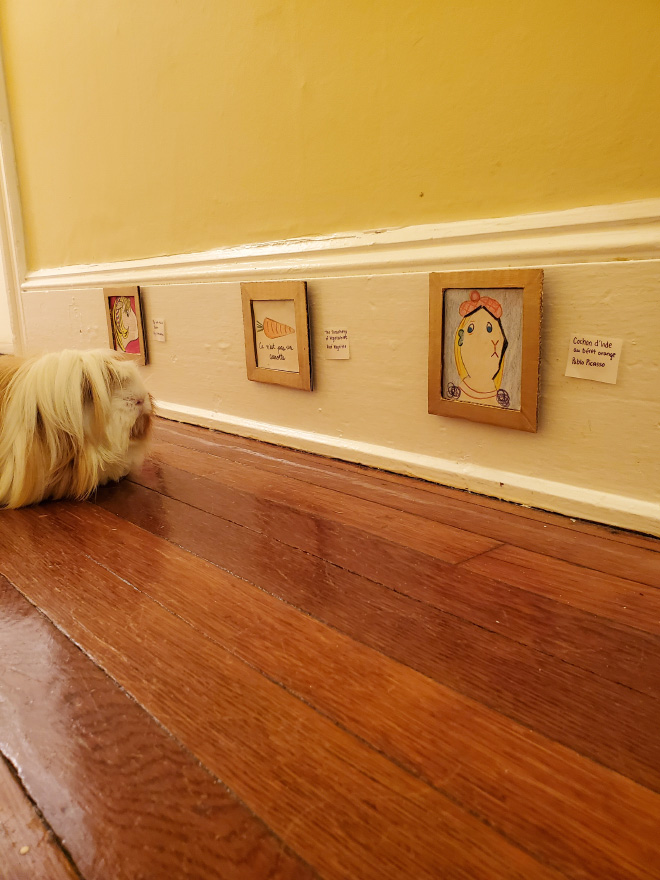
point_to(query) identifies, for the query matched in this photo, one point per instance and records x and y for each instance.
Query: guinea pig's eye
(470, 328)
(489, 327)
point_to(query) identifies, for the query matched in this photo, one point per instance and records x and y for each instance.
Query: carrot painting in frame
(125, 324)
(484, 337)
(276, 329)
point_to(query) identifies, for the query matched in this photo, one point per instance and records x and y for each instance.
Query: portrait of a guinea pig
(69, 421)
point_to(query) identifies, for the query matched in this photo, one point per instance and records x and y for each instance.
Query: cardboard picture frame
(124, 316)
(468, 312)
(276, 329)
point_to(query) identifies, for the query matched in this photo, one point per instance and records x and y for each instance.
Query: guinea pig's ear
(113, 376)
(92, 410)
(96, 392)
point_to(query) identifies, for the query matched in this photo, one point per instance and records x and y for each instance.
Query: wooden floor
(256, 663)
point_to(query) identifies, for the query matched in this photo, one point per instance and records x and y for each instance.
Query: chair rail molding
(602, 233)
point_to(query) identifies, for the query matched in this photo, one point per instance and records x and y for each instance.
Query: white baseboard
(574, 501)
(602, 233)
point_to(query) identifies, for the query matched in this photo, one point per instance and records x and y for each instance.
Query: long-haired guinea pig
(69, 421)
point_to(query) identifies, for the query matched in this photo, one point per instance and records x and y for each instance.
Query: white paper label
(592, 357)
(336, 344)
(158, 328)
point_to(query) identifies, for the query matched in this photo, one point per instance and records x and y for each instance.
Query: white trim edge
(12, 245)
(605, 507)
(625, 231)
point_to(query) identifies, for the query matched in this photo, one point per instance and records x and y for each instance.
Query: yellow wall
(145, 127)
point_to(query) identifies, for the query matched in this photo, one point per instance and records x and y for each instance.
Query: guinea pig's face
(132, 394)
(130, 406)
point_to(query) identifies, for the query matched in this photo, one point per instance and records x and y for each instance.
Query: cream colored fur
(69, 422)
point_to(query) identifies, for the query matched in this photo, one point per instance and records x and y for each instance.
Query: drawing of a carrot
(273, 329)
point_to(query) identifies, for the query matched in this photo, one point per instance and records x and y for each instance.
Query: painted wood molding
(603, 233)
(604, 507)
(12, 242)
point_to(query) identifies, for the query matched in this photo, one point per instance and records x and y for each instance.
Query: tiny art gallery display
(484, 332)
(125, 327)
(276, 328)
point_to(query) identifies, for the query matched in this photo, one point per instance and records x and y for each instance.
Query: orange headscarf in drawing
(477, 301)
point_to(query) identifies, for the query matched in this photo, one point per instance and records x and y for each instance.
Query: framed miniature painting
(276, 327)
(484, 339)
(125, 323)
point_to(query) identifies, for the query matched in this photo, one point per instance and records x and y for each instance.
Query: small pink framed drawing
(276, 328)
(484, 339)
(125, 323)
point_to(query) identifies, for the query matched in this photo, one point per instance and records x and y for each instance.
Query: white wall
(597, 450)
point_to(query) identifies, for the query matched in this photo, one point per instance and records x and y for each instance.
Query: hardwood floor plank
(346, 809)
(404, 493)
(545, 624)
(264, 501)
(559, 701)
(125, 798)
(595, 551)
(578, 816)
(625, 601)
(351, 547)
(28, 850)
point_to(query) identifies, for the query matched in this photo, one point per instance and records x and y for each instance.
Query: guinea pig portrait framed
(484, 346)
(276, 327)
(123, 312)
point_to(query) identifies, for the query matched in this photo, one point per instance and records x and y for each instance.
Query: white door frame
(12, 241)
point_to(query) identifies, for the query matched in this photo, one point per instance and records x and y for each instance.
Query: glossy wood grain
(123, 796)
(556, 793)
(597, 645)
(298, 667)
(620, 599)
(345, 808)
(533, 687)
(524, 527)
(27, 847)
(305, 513)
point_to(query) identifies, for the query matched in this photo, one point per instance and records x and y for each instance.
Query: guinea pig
(69, 421)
